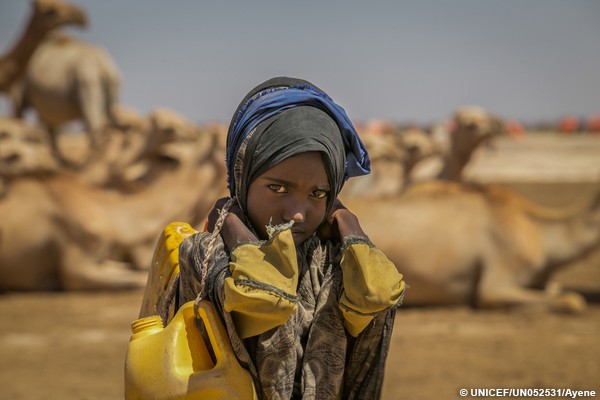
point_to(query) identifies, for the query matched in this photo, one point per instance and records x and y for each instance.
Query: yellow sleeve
(261, 292)
(371, 284)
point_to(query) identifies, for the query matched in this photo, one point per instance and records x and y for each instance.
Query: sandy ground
(72, 345)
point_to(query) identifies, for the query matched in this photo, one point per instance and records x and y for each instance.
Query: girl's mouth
(298, 231)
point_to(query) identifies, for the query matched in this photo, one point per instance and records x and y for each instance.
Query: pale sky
(408, 61)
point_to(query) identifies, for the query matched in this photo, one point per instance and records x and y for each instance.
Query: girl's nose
(295, 212)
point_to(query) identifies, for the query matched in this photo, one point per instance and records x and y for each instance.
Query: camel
(41, 246)
(68, 80)
(471, 128)
(394, 156)
(139, 149)
(59, 232)
(401, 158)
(125, 142)
(45, 16)
(168, 133)
(484, 246)
(24, 150)
(125, 137)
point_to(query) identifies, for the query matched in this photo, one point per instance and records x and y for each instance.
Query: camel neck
(14, 63)
(452, 170)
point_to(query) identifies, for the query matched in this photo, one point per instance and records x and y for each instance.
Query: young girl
(307, 300)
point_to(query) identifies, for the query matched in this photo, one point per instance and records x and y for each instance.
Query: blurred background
(407, 61)
(113, 118)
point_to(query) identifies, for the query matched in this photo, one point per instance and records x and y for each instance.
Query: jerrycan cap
(145, 326)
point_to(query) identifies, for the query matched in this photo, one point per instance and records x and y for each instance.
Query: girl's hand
(234, 230)
(340, 223)
(235, 210)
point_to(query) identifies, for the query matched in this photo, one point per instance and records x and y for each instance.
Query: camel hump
(164, 270)
(580, 206)
(60, 38)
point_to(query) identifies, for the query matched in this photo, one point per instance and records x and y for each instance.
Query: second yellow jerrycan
(175, 362)
(189, 358)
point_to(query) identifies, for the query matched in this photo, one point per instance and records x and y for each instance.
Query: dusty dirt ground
(72, 345)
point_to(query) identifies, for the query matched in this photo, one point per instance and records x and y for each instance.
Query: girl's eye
(320, 194)
(278, 188)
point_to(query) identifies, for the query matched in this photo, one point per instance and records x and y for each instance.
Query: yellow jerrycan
(189, 358)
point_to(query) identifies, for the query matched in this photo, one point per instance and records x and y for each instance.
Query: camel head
(383, 148)
(45, 16)
(127, 119)
(50, 14)
(418, 146)
(472, 127)
(170, 125)
(130, 124)
(171, 135)
(390, 161)
(24, 150)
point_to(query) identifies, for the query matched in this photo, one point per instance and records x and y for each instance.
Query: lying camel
(483, 246)
(470, 128)
(124, 138)
(24, 149)
(168, 133)
(139, 149)
(400, 158)
(68, 80)
(125, 142)
(480, 245)
(58, 232)
(45, 16)
(43, 245)
(393, 159)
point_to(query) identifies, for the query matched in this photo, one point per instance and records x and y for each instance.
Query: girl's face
(296, 190)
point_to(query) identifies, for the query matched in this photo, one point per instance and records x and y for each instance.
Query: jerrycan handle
(216, 332)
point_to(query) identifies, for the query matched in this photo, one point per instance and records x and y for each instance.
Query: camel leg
(53, 132)
(92, 102)
(17, 98)
(498, 294)
(505, 274)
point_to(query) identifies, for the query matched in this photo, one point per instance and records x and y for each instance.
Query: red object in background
(593, 123)
(379, 127)
(450, 125)
(568, 124)
(515, 129)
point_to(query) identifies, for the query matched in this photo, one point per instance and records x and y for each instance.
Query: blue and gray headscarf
(286, 116)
